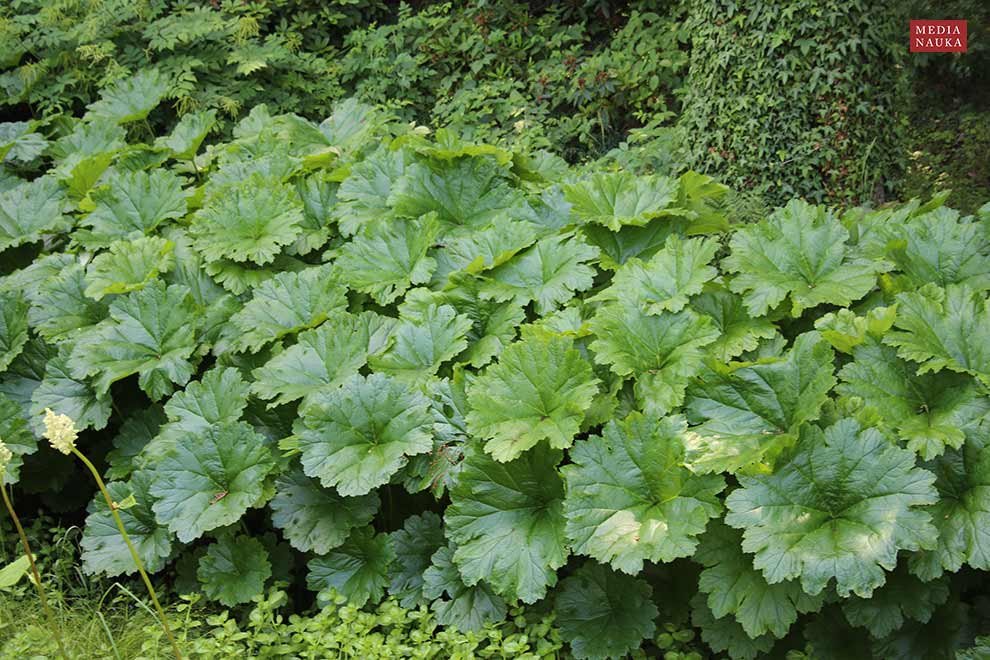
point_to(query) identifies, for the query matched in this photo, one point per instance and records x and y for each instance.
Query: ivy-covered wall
(798, 97)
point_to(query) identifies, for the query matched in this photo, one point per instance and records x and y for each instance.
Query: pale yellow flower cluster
(60, 431)
(5, 457)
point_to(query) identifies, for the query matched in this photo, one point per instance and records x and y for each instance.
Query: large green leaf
(727, 634)
(748, 413)
(355, 437)
(944, 329)
(130, 99)
(190, 131)
(662, 353)
(902, 597)
(234, 569)
(323, 358)
(800, 251)
(617, 199)
(219, 397)
(150, 333)
(604, 614)
(668, 280)
(630, 497)
(133, 203)
(210, 479)
(467, 191)
(421, 345)
(13, 327)
(466, 608)
(414, 545)
(389, 256)
(841, 508)
(317, 519)
(929, 411)
(248, 221)
(69, 395)
(61, 309)
(104, 549)
(962, 512)
(507, 520)
(735, 588)
(29, 210)
(357, 570)
(738, 331)
(17, 435)
(364, 193)
(286, 304)
(539, 390)
(549, 273)
(128, 266)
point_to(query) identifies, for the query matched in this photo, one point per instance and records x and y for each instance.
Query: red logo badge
(938, 36)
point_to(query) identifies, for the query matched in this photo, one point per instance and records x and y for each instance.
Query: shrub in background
(798, 97)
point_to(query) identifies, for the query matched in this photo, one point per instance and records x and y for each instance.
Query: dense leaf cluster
(800, 98)
(387, 362)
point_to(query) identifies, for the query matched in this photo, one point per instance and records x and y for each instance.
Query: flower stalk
(61, 433)
(5, 457)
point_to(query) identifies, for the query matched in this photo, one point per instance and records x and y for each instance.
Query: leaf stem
(130, 546)
(34, 572)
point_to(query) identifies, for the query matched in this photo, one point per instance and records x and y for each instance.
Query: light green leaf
(364, 193)
(944, 329)
(468, 191)
(420, 537)
(937, 248)
(133, 203)
(617, 199)
(630, 497)
(539, 390)
(130, 99)
(604, 614)
(150, 332)
(389, 256)
(128, 266)
(188, 134)
(738, 331)
(485, 249)
(423, 344)
(61, 309)
(841, 508)
(286, 304)
(104, 549)
(29, 210)
(928, 411)
(800, 251)
(210, 479)
(317, 519)
(747, 413)
(507, 520)
(735, 588)
(219, 397)
(234, 569)
(356, 437)
(357, 570)
(845, 330)
(323, 358)
(549, 273)
(465, 608)
(12, 573)
(669, 279)
(248, 221)
(662, 353)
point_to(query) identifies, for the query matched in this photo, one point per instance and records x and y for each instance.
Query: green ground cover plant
(380, 364)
